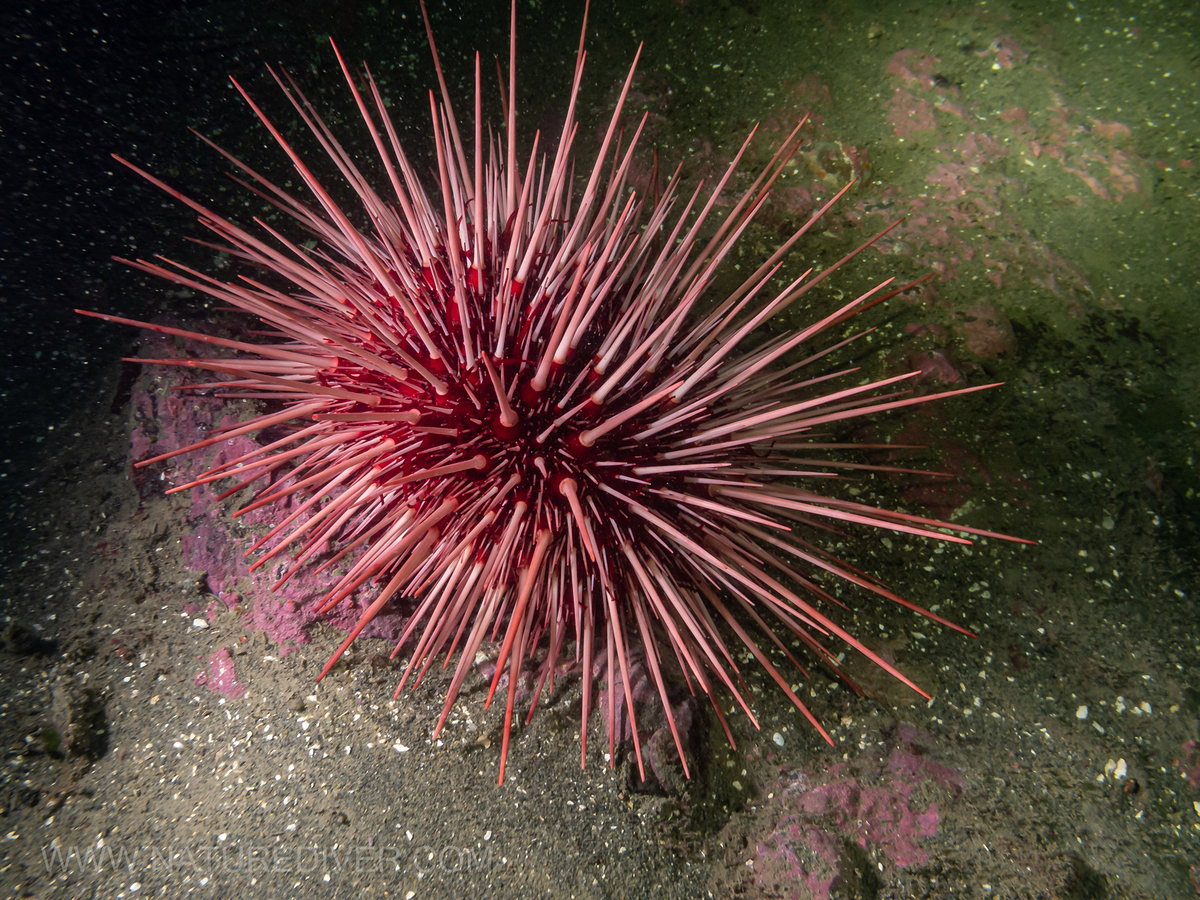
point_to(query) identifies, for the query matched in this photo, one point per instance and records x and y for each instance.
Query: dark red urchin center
(537, 443)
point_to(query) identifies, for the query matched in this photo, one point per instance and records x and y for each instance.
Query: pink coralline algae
(211, 541)
(886, 810)
(913, 69)
(1008, 52)
(964, 224)
(976, 159)
(935, 366)
(219, 675)
(918, 90)
(1189, 766)
(988, 332)
(824, 162)
(1092, 150)
(909, 115)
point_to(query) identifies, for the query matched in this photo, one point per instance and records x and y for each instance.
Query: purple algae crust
(881, 803)
(214, 543)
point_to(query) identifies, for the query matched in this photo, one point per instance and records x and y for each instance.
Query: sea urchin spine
(513, 401)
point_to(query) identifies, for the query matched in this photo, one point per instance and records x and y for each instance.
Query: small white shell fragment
(1081, 713)
(1121, 770)
(777, 738)
(199, 624)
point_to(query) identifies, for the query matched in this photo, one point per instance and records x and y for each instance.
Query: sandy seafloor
(159, 742)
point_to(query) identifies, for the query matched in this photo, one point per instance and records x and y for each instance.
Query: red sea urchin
(512, 401)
